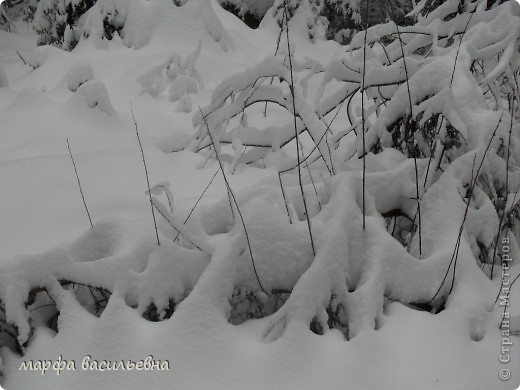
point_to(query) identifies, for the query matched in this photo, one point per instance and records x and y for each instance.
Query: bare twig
(363, 111)
(507, 185)
(284, 197)
(146, 173)
(198, 200)
(79, 184)
(458, 48)
(230, 192)
(307, 216)
(432, 151)
(451, 82)
(502, 281)
(181, 228)
(473, 182)
(316, 143)
(313, 185)
(508, 291)
(275, 53)
(19, 55)
(417, 194)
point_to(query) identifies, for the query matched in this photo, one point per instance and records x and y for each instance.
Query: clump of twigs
(152, 313)
(337, 319)
(247, 305)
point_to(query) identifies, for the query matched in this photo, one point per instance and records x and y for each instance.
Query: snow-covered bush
(181, 78)
(108, 17)
(5, 23)
(250, 11)
(181, 86)
(58, 22)
(332, 19)
(439, 126)
(235, 95)
(135, 21)
(20, 10)
(78, 75)
(303, 15)
(29, 10)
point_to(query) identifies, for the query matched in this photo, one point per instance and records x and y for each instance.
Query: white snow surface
(45, 236)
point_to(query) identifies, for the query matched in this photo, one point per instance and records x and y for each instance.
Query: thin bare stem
(455, 254)
(181, 228)
(316, 143)
(458, 48)
(507, 185)
(509, 290)
(451, 82)
(417, 194)
(313, 185)
(432, 152)
(198, 200)
(79, 184)
(496, 243)
(284, 197)
(230, 192)
(363, 112)
(508, 294)
(307, 216)
(19, 55)
(275, 53)
(146, 173)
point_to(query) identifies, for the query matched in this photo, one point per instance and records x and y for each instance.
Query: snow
(39, 56)
(93, 94)
(167, 62)
(78, 75)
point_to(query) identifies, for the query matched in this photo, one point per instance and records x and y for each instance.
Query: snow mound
(181, 86)
(39, 56)
(184, 104)
(94, 95)
(78, 75)
(154, 80)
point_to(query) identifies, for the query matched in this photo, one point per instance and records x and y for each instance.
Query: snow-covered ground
(41, 210)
